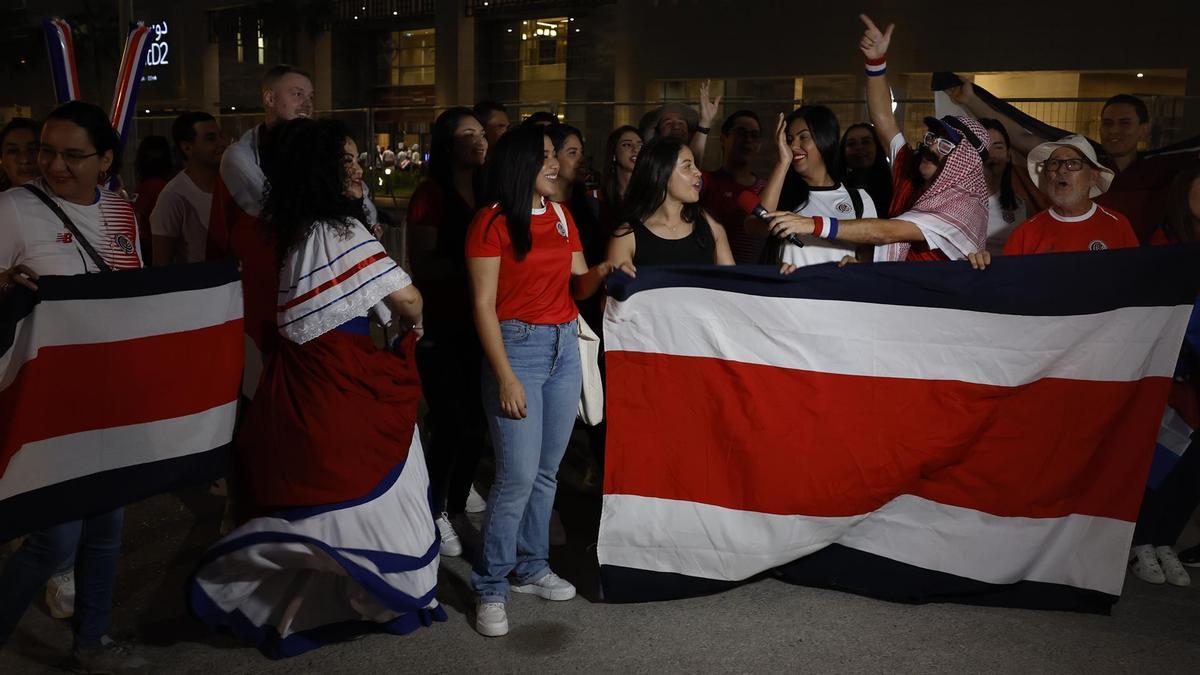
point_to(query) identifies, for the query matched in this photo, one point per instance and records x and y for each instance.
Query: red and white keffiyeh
(952, 212)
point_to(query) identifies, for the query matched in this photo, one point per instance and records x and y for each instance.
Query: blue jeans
(516, 527)
(44, 553)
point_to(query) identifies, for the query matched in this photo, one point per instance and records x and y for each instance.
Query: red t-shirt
(720, 199)
(1140, 190)
(1047, 232)
(537, 289)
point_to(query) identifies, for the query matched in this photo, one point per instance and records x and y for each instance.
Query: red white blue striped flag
(115, 387)
(914, 431)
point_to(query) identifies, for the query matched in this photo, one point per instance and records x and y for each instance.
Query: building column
(454, 55)
(323, 70)
(628, 83)
(211, 67)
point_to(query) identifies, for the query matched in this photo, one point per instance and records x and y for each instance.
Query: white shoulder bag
(591, 400)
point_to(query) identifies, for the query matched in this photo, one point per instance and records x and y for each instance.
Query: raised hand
(874, 43)
(708, 106)
(781, 141)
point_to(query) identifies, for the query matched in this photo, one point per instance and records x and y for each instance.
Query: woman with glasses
(77, 152)
(940, 197)
(806, 181)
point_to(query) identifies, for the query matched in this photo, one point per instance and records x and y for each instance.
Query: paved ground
(763, 625)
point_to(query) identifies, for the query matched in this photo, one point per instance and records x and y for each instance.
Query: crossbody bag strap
(87, 245)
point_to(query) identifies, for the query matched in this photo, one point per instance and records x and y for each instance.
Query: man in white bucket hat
(1069, 174)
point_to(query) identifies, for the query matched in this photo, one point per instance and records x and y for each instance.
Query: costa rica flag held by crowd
(912, 431)
(115, 387)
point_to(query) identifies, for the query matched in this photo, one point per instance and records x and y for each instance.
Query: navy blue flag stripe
(1065, 282)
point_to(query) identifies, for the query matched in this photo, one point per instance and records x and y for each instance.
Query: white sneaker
(1172, 569)
(451, 546)
(491, 619)
(1144, 564)
(475, 502)
(550, 587)
(60, 595)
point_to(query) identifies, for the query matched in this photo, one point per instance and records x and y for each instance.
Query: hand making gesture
(874, 43)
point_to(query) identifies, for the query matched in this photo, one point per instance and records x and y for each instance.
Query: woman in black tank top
(662, 212)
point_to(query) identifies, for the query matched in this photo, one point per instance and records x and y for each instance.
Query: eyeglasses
(1074, 164)
(944, 146)
(47, 154)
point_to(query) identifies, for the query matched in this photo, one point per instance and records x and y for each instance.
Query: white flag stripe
(75, 322)
(54, 460)
(832, 336)
(713, 542)
(396, 522)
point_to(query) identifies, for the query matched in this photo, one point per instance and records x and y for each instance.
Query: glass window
(412, 61)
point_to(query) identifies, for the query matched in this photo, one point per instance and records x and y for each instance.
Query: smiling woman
(663, 212)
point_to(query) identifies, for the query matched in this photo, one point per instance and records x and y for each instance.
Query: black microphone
(748, 201)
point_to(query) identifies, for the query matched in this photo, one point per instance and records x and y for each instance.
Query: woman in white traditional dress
(340, 539)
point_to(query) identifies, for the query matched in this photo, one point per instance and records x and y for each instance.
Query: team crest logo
(1097, 245)
(562, 228)
(123, 243)
(843, 207)
(1008, 216)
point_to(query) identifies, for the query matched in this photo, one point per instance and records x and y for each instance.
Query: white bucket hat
(1042, 152)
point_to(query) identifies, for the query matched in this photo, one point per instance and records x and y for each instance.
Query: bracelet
(825, 228)
(703, 130)
(876, 67)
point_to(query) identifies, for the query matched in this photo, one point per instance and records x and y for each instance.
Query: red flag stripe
(75, 388)
(817, 444)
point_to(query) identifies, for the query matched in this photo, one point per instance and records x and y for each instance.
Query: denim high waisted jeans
(516, 527)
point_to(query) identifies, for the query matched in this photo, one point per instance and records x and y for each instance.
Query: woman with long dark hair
(865, 164)
(78, 151)
(620, 156)
(329, 453)
(527, 267)
(1005, 209)
(439, 214)
(806, 181)
(664, 223)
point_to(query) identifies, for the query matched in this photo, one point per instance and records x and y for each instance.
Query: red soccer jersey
(537, 289)
(1097, 230)
(720, 199)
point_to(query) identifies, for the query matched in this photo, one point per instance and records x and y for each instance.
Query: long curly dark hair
(1180, 224)
(304, 161)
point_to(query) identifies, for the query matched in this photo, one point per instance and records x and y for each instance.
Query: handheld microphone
(748, 202)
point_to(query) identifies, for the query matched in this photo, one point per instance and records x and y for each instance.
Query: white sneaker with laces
(60, 595)
(451, 546)
(475, 502)
(1172, 568)
(1144, 564)
(550, 587)
(491, 619)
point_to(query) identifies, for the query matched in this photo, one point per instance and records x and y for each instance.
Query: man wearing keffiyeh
(943, 213)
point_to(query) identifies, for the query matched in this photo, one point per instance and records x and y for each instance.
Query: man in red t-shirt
(740, 142)
(1069, 174)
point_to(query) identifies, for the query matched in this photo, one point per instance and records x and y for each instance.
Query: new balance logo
(64, 238)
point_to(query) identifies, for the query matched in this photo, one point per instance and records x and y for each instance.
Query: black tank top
(651, 249)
